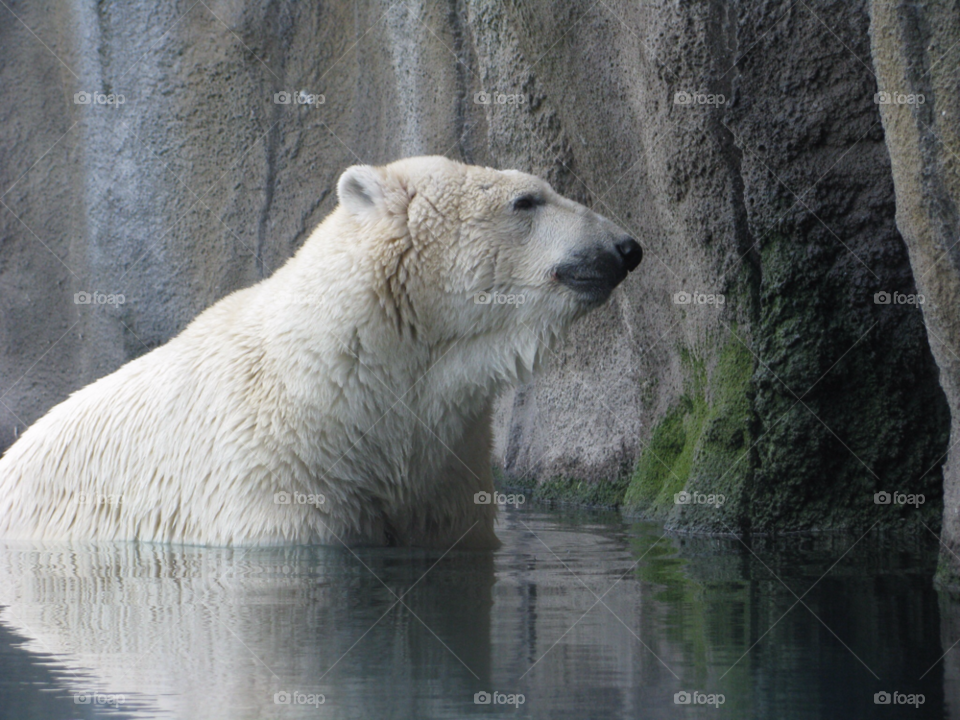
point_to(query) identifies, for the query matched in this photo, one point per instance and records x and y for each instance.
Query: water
(581, 614)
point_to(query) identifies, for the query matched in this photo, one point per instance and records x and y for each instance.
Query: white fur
(362, 370)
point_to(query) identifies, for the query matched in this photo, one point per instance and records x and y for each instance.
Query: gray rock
(915, 53)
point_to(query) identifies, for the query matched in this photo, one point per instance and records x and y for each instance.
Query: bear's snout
(594, 274)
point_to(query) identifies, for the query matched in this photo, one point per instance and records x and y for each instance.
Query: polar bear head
(459, 249)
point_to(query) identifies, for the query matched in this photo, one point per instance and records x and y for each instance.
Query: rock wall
(916, 53)
(740, 142)
(758, 171)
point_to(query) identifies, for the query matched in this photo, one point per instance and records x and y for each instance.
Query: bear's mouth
(592, 281)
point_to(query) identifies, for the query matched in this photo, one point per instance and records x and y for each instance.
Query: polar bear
(345, 399)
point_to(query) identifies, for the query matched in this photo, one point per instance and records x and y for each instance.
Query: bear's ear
(361, 190)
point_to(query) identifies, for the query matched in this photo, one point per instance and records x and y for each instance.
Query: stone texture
(780, 198)
(846, 401)
(916, 52)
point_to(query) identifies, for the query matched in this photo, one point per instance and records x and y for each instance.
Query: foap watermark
(698, 298)
(295, 697)
(498, 498)
(299, 98)
(291, 297)
(97, 698)
(497, 298)
(697, 498)
(98, 298)
(897, 298)
(697, 98)
(98, 499)
(298, 498)
(499, 98)
(898, 498)
(98, 98)
(698, 698)
(898, 98)
(898, 698)
(498, 698)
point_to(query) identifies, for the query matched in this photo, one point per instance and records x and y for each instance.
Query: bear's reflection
(211, 633)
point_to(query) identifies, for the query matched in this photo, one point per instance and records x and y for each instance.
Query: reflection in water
(580, 614)
(797, 627)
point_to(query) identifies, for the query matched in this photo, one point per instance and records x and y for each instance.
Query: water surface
(579, 615)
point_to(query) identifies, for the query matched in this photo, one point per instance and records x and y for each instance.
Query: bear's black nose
(631, 253)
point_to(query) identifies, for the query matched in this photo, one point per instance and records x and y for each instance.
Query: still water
(578, 615)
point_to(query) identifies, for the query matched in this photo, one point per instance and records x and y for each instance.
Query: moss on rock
(567, 490)
(702, 445)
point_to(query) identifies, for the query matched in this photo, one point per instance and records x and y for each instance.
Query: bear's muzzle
(596, 273)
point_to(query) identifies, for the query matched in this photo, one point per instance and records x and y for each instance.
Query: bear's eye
(527, 202)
